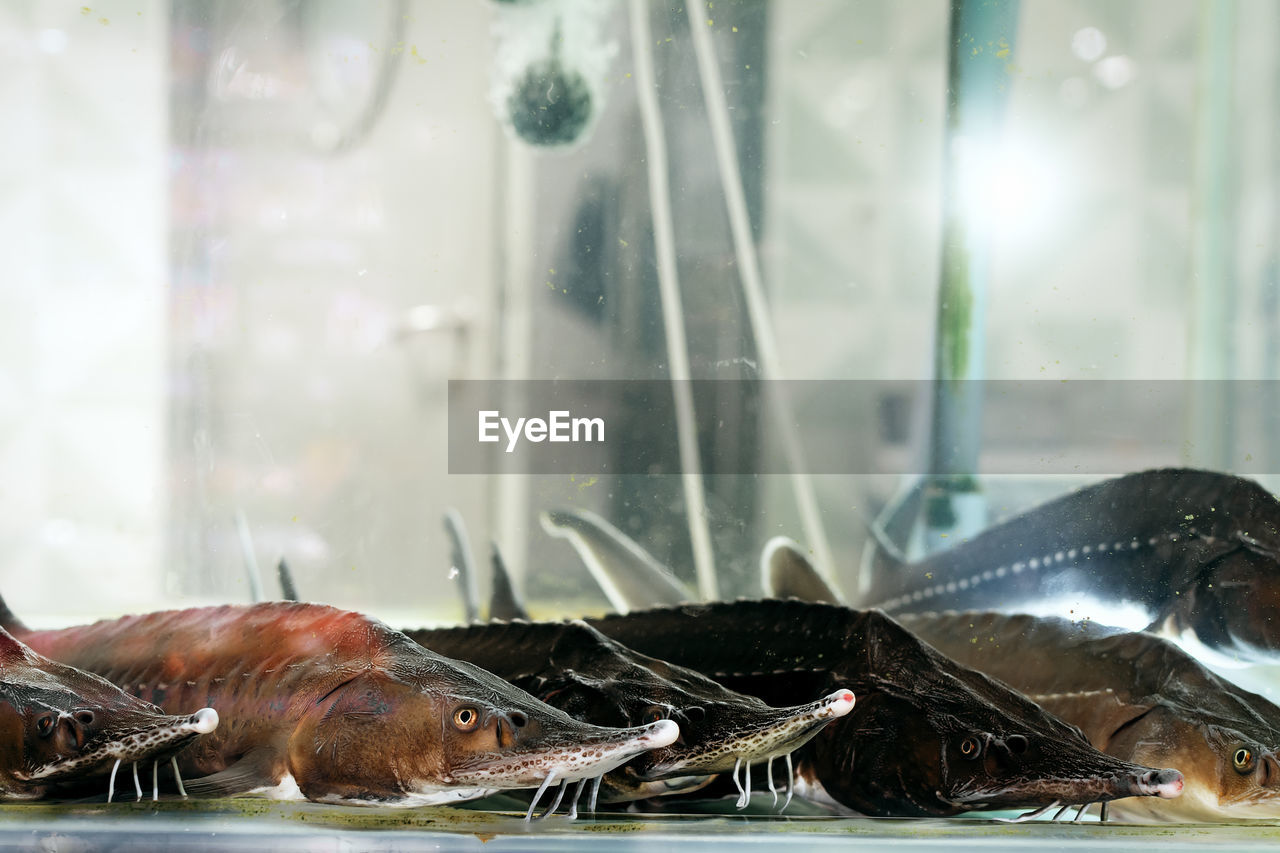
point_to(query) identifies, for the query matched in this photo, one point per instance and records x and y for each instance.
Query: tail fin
(463, 564)
(629, 575)
(9, 621)
(288, 591)
(785, 572)
(504, 601)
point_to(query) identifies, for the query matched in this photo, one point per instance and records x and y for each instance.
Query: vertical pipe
(1213, 281)
(672, 310)
(515, 182)
(980, 50)
(753, 288)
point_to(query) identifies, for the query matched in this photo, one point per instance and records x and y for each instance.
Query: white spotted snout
(204, 721)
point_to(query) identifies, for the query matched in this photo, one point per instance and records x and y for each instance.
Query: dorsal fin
(11, 649)
(463, 566)
(785, 572)
(288, 591)
(10, 622)
(504, 602)
(630, 577)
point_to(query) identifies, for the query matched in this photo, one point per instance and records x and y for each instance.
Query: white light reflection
(1010, 189)
(1089, 44)
(1115, 614)
(1115, 72)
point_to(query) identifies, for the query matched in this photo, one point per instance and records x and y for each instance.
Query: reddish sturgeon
(1136, 696)
(62, 730)
(337, 707)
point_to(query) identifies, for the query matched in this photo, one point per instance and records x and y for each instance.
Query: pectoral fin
(256, 770)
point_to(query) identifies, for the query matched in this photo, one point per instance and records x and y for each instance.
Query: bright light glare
(1006, 189)
(1089, 44)
(1115, 72)
(1115, 614)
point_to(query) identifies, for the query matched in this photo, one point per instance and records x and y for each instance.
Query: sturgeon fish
(927, 736)
(751, 647)
(337, 707)
(62, 729)
(576, 668)
(1198, 551)
(1137, 697)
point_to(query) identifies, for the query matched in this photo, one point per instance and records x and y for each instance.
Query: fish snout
(658, 734)
(836, 705)
(1166, 784)
(203, 721)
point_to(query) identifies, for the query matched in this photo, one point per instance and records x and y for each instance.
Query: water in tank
(476, 312)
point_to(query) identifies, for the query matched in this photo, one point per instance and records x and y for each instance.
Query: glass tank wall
(248, 244)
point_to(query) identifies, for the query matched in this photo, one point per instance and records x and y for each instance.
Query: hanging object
(550, 59)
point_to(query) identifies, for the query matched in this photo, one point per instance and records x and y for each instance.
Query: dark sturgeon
(576, 668)
(1197, 550)
(927, 736)
(1137, 697)
(338, 707)
(62, 729)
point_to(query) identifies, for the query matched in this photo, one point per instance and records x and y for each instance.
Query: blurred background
(246, 245)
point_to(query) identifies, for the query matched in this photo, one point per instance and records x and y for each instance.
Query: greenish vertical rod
(980, 55)
(1211, 308)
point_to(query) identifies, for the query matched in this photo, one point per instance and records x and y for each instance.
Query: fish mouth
(165, 736)
(759, 735)
(1083, 790)
(593, 753)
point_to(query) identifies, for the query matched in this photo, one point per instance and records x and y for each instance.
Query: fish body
(576, 668)
(1198, 551)
(62, 729)
(1135, 696)
(927, 736)
(334, 706)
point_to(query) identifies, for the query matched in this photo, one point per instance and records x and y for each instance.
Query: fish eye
(466, 718)
(44, 725)
(1243, 760)
(970, 748)
(655, 713)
